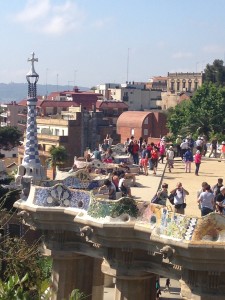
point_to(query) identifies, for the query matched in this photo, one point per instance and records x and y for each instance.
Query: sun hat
(222, 188)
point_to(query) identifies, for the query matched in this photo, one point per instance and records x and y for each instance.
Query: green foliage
(21, 259)
(10, 137)
(13, 289)
(77, 295)
(204, 114)
(215, 73)
(58, 155)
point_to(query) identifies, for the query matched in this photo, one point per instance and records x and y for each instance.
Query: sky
(91, 42)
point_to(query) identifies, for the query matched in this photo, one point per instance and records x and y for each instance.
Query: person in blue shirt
(97, 154)
(188, 159)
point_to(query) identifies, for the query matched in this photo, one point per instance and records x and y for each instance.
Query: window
(178, 86)
(56, 131)
(172, 86)
(189, 85)
(132, 131)
(146, 121)
(196, 85)
(184, 84)
(146, 132)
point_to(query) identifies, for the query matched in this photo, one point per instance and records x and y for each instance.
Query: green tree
(10, 137)
(215, 73)
(204, 114)
(58, 156)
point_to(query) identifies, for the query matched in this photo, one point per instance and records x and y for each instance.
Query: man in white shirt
(183, 146)
(179, 198)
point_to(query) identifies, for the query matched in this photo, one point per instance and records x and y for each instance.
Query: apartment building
(134, 94)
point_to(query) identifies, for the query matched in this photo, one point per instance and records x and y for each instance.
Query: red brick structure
(144, 124)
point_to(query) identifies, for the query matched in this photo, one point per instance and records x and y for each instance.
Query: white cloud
(101, 23)
(214, 49)
(180, 55)
(46, 17)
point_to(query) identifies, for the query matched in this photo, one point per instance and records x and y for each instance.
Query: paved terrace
(210, 170)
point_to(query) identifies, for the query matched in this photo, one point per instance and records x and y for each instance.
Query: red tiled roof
(110, 104)
(132, 118)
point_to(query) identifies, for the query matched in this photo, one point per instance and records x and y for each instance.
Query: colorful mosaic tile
(104, 208)
(60, 195)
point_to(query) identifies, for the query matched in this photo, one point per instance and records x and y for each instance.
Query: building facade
(134, 94)
(180, 86)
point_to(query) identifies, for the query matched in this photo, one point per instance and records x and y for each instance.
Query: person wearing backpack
(188, 159)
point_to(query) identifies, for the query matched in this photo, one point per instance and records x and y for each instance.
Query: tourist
(135, 152)
(170, 157)
(216, 188)
(213, 147)
(188, 159)
(199, 144)
(191, 143)
(126, 191)
(108, 185)
(154, 158)
(140, 141)
(127, 172)
(222, 151)
(162, 151)
(197, 159)
(97, 154)
(167, 285)
(145, 155)
(179, 198)
(109, 139)
(158, 291)
(219, 199)
(162, 195)
(206, 200)
(150, 148)
(178, 143)
(115, 180)
(183, 148)
(126, 144)
(105, 146)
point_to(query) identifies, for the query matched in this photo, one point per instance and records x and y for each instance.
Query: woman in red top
(197, 159)
(154, 158)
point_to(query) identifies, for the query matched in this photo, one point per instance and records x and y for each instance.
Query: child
(198, 158)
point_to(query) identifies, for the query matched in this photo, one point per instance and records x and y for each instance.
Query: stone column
(203, 285)
(98, 280)
(69, 273)
(133, 288)
(131, 284)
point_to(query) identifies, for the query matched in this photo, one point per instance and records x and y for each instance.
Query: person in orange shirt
(222, 150)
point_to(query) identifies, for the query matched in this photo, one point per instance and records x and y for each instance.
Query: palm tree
(58, 156)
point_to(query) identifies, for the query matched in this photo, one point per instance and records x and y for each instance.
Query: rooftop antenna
(128, 52)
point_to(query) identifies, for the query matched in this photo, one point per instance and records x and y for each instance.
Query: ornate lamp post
(31, 170)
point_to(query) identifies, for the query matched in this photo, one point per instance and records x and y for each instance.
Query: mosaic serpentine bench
(160, 221)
